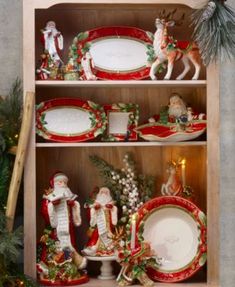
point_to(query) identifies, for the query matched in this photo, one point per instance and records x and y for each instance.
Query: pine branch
(214, 31)
(105, 170)
(10, 114)
(10, 242)
(5, 175)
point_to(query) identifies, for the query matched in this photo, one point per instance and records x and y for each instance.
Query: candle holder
(135, 256)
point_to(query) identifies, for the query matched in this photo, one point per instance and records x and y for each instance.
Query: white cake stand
(106, 270)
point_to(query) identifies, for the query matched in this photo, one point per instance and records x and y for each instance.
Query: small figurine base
(106, 270)
(72, 282)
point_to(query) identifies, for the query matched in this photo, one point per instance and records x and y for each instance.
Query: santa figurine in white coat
(53, 42)
(61, 211)
(103, 218)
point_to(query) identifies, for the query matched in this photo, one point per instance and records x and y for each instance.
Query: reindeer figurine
(169, 50)
(173, 186)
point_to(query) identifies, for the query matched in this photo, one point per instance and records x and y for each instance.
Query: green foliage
(10, 114)
(10, 122)
(105, 170)
(214, 31)
(164, 115)
(5, 175)
(10, 242)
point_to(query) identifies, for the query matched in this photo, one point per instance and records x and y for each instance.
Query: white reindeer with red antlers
(169, 50)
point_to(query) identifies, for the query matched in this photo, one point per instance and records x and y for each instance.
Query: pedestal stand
(106, 270)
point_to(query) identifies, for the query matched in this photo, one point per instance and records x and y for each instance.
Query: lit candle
(133, 230)
(183, 167)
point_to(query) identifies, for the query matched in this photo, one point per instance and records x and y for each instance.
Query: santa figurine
(53, 42)
(58, 250)
(177, 107)
(103, 218)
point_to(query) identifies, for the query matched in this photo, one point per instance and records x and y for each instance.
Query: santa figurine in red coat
(61, 212)
(103, 218)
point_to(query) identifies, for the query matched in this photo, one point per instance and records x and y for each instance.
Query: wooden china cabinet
(44, 157)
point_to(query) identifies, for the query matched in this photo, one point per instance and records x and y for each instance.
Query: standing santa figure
(61, 212)
(103, 217)
(53, 42)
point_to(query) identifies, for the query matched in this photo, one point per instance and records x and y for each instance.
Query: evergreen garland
(214, 31)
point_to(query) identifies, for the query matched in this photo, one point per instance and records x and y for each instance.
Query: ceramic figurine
(175, 122)
(87, 64)
(167, 49)
(53, 42)
(43, 72)
(51, 66)
(70, 71)
(59, 263)
(103, 219)
(177, 106)
(174, 185)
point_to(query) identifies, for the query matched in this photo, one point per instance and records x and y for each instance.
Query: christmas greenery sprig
(10, 122)
(10, 245)
(10, 114)
(214, 31)
(129, 189)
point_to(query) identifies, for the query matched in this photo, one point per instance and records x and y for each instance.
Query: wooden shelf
(139, 84)
(191, 3)
(121, 144)
(112, 283)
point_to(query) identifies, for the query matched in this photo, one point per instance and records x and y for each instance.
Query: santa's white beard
(177, 111)
(103, 199)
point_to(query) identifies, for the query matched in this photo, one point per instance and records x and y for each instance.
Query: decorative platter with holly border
(176, 230)
(122, 120)
(169, 132)
(70, 120)
(118, 53)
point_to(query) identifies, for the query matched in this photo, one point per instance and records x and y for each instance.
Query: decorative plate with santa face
(118, 53)
(70, 120)
(176, 230)
(171, 132)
